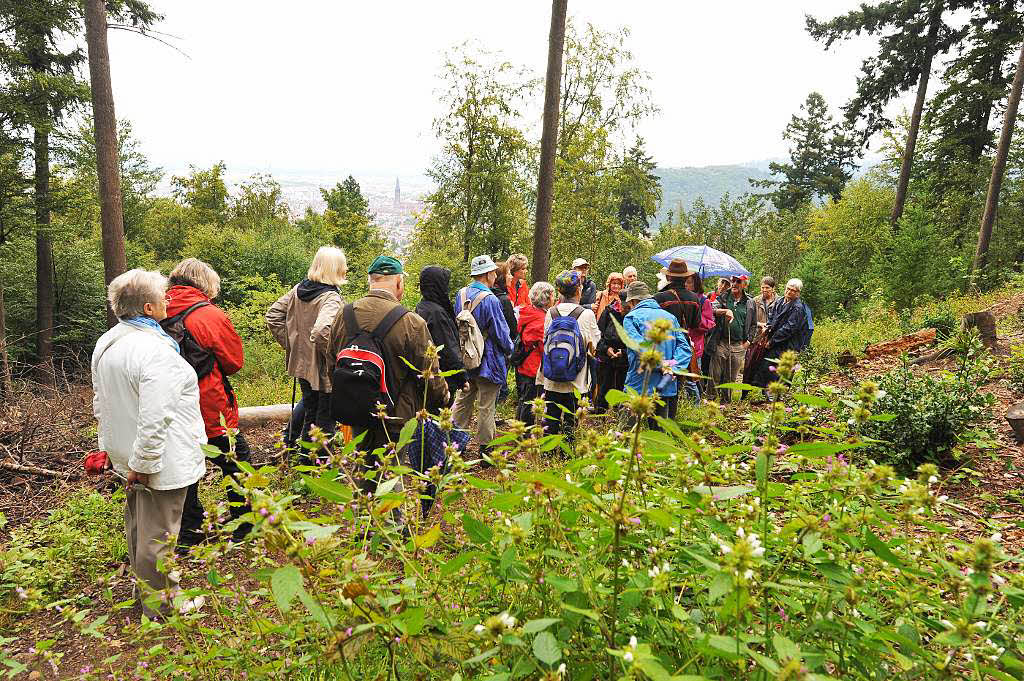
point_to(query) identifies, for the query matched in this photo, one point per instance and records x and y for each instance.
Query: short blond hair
(516, 262)
(197, 274)
(128, 293)
(329, 266)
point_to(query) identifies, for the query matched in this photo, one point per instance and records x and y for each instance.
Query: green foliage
(931, 414)
(262, 379)
(205, 192)
(1015, 368)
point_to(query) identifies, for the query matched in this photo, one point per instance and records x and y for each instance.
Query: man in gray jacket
(735, 325)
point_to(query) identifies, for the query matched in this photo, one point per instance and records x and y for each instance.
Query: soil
(55, 429)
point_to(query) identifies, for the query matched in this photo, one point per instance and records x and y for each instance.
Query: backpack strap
(575, 314)
(351, 325)
(390, 319)
(475, 301)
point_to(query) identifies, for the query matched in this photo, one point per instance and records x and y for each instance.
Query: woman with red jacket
(216, 353)
(531, 336)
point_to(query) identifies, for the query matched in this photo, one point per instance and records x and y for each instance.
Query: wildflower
(628, 657)
(561, 669)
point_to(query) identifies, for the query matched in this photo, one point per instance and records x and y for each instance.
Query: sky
(344, 86)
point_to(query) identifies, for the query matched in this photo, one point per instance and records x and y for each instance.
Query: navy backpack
(564, 353)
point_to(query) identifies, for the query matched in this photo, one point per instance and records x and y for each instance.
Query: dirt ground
(54, 430)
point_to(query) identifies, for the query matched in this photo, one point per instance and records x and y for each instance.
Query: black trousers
(192, 513)
(317, 409)
(609, 376)
(527, 390)
(559, 420)
(375, 438)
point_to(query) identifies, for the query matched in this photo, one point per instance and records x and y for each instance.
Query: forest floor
(55, 432)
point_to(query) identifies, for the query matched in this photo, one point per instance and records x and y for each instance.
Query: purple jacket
(491, 320)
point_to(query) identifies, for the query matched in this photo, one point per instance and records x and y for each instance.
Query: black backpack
(198, 357)
(360, 379)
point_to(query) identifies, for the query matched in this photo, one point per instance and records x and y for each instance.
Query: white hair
(795, 283)
(128, 293)
(628, 270)
(329, 266)
(196, 273)
(541, 292)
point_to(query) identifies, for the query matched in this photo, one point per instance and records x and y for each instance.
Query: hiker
(146, 402)
(370, 337)
(706, 324)
(530, 347)
(790, 327)
(763, 304)
(641, 312)
(500, 290)
(679, 298)
(629, 275)
(611, 353)
(210, 344)
(436, 309)
(610, 295)
(302, 318)
(516, 283)
(570, 337)
(720, 288)
(734, 329)
(485, 342)
(588, 295)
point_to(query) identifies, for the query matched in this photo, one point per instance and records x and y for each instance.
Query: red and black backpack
(360, 379)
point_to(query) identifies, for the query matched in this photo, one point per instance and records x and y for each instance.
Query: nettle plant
(693, 552)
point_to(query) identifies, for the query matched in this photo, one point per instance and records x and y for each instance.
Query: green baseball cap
(385, 264)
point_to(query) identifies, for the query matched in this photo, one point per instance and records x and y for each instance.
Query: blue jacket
(677, 347)
(491, 320)
(786, 324)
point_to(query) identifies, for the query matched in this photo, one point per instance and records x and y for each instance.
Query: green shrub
(1015, 368)
(942, 319)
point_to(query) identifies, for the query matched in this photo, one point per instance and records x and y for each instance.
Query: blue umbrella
(706, 260)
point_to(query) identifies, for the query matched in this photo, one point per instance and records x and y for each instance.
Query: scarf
(148, 324)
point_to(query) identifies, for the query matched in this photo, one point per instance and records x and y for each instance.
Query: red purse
(96, 463)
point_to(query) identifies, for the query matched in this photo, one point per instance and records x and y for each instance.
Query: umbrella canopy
(707, 261)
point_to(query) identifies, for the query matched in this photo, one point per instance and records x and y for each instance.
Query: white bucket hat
(481, 264)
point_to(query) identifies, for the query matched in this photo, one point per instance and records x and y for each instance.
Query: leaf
(457, 563)
(546, 648)
(882, 417)
(411, 620)
(589, 614)
(736, 386)
(626, 339)
(811, 400)
(614, 397)
(762, 468)
(477, 532)
(286, 584)
(534, 626)
(882, 550)
(428, 538)
(329, 489)
(386, 486)
(316, 611)
(405, 436)
(653, 670)
(770, 665)
(786, 649)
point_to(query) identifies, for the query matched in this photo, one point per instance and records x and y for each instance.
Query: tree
(14, 213)
(639, 189)
(998, 168)
(548, 142)
(346, 198)
(205, 192)
(821, 158)
(911, 34)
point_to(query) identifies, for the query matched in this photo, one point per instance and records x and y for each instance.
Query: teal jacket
(677, 348)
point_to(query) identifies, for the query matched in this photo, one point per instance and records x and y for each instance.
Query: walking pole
(291, 415)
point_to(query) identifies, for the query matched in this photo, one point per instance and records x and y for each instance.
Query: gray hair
(541, 292)
(768, 281)
(329, 266)
(196, 273)
(128, 293)
(629, 270)
(795, 283)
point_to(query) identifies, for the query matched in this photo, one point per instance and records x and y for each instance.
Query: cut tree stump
(905, 344)
(1015, 417)
(985, 323)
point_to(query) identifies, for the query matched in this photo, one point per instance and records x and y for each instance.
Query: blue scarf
(148, 323)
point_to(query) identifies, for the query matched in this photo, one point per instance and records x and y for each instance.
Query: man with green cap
(407, 338)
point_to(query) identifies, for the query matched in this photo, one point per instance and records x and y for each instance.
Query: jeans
(192, 513)
(317, 406)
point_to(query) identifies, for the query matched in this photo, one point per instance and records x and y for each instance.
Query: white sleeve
(589, 328)
(160, 388)
(96, 403)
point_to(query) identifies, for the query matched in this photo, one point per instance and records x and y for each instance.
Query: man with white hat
(589, 295)
(487, 370)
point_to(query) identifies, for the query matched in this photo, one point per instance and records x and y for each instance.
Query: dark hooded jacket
(437, 311)
(507, 309)
(588, 296)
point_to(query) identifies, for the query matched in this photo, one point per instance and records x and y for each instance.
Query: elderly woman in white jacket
(146, 400)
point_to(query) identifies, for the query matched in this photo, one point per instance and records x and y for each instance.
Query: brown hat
(677, 269)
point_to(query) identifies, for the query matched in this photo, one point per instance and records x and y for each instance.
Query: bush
(927, 416)
(1015, 368)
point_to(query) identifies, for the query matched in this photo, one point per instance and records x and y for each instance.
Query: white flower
(933, 479)
(758, 552)
(740, 532)
(666, 568)
(654, 572)
(628, 657)
(479, 628)
(998, 579)
(632, 642)
(508, 620)
(947, 624)
(981, 625)
(997, 536)
(944, 498)
(561, 669)
(567, 478)
(748, 574)
(625, 563)
(901, 489)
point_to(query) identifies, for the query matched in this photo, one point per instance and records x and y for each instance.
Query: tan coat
(299, 327)
(408, 338)
(761, 310)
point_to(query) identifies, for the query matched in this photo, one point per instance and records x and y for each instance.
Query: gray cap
(481, 264)
(637, 290)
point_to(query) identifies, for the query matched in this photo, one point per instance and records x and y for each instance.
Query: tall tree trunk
(934, 20)
(549, 143)
(107, 164)
(998, 168)
(6, 384)
(44, 254)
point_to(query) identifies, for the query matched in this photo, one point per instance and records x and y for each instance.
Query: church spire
(398, 194)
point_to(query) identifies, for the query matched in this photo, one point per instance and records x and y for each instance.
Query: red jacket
(531, 331)
(213, 331)
(518, 291)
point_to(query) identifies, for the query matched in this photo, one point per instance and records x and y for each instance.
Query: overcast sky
(349, 86)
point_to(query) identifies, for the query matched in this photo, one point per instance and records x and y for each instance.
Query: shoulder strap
(390, 319)
(477, 300)
(464, 296)
(184, 313)
(555, 314)
(351, 325)
(575, 314)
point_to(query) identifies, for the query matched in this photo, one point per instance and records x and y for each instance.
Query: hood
(647, 303)
(309, 290)
(434, 283)
(500, 287)
(182, 298)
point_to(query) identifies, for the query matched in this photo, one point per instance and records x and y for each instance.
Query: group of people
(161, 386)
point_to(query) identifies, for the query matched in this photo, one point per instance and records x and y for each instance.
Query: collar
(479, 285)
(381, 293)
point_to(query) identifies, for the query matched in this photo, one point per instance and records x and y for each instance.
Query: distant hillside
(709, 182)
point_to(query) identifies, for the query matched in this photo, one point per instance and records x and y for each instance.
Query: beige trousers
(727, 366)
(152, 519)
(484, 394)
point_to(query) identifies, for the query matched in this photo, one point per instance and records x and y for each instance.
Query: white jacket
(146, 400)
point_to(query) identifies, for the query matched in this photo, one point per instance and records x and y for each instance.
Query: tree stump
(985, 323)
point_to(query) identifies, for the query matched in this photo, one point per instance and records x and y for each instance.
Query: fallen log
(32, 470)
(254, 417)
(904, 344)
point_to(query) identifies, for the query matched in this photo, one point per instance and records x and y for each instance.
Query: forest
(861, 517)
